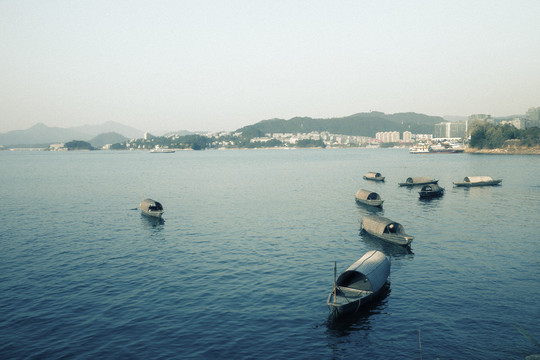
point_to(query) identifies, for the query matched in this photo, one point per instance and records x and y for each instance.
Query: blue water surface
(242, 262)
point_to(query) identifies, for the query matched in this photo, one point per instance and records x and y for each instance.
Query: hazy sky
(220, 65)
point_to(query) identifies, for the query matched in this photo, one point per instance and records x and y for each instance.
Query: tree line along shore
(487, 138)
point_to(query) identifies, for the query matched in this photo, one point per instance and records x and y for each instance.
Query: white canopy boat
(367, 197)
(416, 181)
(386, 229)
(469, 181)
(357, 285)
(151, 208)
(374, 176)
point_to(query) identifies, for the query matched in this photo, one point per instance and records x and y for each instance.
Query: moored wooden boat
(386, 229)
(358, 284)
(416, 181)
(469, 181)
(374, 176)
(431, 190)
(367, 197)
(151, 208)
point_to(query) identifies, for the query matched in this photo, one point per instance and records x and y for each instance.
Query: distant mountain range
(43, 134)
(362, 124)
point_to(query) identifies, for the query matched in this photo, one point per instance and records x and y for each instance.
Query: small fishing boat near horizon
(359, 284)
(444, 148)
(420, 148)
(151, 208)
(367, 197)
(374, 176)
(160, 150)
(430, 191)
(469, 181)
(417, 181)
(386, 229)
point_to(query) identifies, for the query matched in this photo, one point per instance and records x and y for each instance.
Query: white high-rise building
(407, 136)
(387, 136)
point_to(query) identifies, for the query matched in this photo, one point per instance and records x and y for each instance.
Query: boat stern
(408, 239)
(157, 213)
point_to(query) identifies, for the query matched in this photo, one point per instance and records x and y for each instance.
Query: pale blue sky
(220, 65)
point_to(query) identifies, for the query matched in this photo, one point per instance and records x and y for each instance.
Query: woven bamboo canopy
(373, 175)
(475, 179)
(381, 225)
(368, 273)
(430, 187)
(149, 204)
(367, 195)
(414, 180)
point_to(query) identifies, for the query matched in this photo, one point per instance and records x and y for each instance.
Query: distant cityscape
(449, 131)
(454, 131)
(459, 130)
(445, 131)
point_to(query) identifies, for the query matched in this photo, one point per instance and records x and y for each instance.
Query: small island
(78, 145)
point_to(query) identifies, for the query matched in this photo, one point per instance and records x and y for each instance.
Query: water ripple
(242, 262)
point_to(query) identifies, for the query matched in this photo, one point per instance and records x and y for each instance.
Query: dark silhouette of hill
(362, 124)
(43, 134)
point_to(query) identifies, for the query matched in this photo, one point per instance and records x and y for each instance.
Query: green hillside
(362, 124)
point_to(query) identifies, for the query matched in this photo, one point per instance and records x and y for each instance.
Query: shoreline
(468, 150)
(505, 151)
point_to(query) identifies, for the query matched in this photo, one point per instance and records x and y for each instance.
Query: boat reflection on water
(343, 325)
(431, 201)
(392, 250)
(370, 209)
(151, 222)
(431, 191)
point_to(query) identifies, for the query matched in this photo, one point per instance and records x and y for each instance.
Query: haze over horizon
(166, 66)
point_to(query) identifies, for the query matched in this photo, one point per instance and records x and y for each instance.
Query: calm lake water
(243, 262)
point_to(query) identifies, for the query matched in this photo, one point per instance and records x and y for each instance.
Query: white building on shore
(387, 136)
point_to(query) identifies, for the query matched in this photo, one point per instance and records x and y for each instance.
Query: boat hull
(450, 151)
(481, 183)
(396, 239)
(156, 214)
(431, 193)
(374, 178)
(456, 151)
(376, 203)
(347, 304)
(419, 183)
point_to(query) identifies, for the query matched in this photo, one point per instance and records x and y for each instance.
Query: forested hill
(362, 124)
